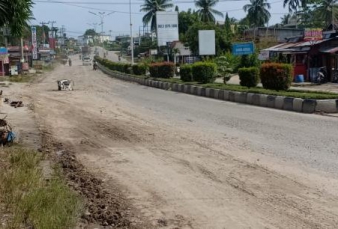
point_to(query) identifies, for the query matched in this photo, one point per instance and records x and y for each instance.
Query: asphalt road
(193, 162)
(310, 140)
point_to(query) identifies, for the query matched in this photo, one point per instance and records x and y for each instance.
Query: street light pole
(131, 35)
(102, 15)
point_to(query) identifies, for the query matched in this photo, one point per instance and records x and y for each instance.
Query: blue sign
(240, 49)
(3, 51)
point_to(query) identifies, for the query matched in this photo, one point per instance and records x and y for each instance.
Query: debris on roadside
(7, 136)
(15, 104)
(65, 85)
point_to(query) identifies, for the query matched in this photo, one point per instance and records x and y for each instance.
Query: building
(315, 50)
(102, 38)
(183, 53)
(279, 34)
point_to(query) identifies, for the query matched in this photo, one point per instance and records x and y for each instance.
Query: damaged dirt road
(188, 162)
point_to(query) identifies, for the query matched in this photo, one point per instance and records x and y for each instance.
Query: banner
(167, 27)
(313, 34)
(34, 44)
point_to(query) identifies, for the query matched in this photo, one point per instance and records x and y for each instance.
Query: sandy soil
(175, 175)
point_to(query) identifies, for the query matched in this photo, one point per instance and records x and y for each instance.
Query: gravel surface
(192, 162)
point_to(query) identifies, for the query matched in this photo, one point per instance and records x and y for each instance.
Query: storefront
(307, 57)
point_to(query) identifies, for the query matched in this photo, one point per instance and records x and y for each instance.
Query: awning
(329, 50)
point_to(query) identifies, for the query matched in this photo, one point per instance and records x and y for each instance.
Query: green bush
(127, 68)
(204, 72)
(139, 69)
(153, 70)
(162, 70)
(249, 76)
(276, 76)
(247, 61)
(186, 73)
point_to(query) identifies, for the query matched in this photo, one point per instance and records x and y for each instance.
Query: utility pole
(52, 28)
(131, 35)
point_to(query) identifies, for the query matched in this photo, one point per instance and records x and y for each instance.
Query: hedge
(204, 72)
(120, 67)
(139, 69)
(249, 77)
(276, 76)
(162, 70)
(186, 73)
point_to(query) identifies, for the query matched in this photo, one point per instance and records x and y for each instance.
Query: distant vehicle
(86, 61)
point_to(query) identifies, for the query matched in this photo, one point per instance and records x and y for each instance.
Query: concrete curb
(279, 102)
(240, 97)
(288, 104)
(298, 105)
(271, 101)
(327, 106)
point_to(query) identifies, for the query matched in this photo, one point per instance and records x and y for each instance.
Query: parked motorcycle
(321, 76)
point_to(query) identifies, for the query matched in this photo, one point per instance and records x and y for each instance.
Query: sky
(75, 16)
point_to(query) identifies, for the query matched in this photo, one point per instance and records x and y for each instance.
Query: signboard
(153, 51)
(240, 49)
(34, 44)
(313, 34)
(264, 55)
(206, 42)
(167, 27)
(3, 51)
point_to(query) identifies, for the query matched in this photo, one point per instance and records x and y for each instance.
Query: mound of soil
(102, 207)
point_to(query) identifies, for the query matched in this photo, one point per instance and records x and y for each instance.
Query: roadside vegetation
(275, 77)
(29, 199)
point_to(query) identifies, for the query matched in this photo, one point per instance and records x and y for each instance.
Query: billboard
(167, 27)
(313, 34)
(206, 42)
(34, 44)
(239, 49)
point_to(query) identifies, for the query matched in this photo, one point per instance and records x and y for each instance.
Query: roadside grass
(21, 78)
(31, 200)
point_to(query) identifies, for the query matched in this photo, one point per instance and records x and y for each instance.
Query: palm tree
(15, 14)
(206, 12)
(294, 5)
(326, 11)
(151, 7)
(258, 13)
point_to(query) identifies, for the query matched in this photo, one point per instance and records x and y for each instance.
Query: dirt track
(178, 174)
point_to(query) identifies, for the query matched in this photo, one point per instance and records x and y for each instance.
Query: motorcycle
(321, 76)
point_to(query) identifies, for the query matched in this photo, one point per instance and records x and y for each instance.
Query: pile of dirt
(103, 208)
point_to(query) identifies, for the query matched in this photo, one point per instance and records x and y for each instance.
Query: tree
(206, 12)
(151, 7)
(90, 32)
(227, 25)
(294, 5)
(185, 20)
(15, 14)
(285, 20)
(326, 11)
(258, 13)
